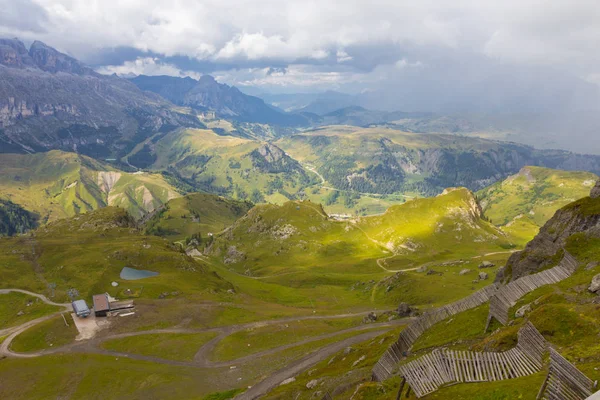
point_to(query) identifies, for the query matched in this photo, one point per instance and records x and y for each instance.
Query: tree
(257, 197)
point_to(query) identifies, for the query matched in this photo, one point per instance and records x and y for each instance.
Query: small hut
(101, 305)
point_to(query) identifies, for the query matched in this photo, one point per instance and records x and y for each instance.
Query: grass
(170, 346)
(88, 376)
(196, 213)
(229, 394)
(88, 252)
(528, 199)
(13, 303)
(446, 227)
(524, 388)
(224, 164)
(462, 327)
(48, 334)
(94, 377)
(58, 184)
(255, 340)
(345, 368)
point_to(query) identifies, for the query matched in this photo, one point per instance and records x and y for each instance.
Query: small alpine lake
(132, 274)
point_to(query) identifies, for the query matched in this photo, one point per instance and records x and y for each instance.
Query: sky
(439, 54)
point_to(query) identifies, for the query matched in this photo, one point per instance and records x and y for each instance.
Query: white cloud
(146, 66)
(561, 34)
(404, 63)
(342, 56)
(299, 76)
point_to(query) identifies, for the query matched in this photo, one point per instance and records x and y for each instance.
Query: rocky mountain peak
(208, 79)
(51, 60)
(13, 53)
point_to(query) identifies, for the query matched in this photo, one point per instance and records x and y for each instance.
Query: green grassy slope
(566, 314)
(57, 185)
(17, 308)
(445, 227)
(196, 213)
(522, 203)
(87, 253)
(383, 160)
(229, 165)
(296, 236)
(297, 255)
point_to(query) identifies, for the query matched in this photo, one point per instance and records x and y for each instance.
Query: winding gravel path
(201, 358)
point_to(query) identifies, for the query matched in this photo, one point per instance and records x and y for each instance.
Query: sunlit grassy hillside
(196, 213)
(523, 202)
(445, 227)
(57, 185)
(228, 165)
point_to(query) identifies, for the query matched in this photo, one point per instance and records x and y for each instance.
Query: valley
(175, 237)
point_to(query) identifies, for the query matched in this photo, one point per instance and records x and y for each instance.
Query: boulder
(483, 276)
(523, 310)
(595, 285)
(361, 359)
(312, 384)
(464, 271)
(486, 264)
(287, 381)
(404, 309)
(371, 317)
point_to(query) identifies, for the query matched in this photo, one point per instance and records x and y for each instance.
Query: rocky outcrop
(51, 60)
(546, 249)
(14, 54)
(595, 285)
(269, 158)
(595, 193)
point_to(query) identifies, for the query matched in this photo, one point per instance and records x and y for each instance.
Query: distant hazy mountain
(49, 100)
(314, 103)
(207, 94)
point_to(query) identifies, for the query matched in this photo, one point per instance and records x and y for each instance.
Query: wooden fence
(564, 381)
(388, 363)
(441, 367)
(507, 296)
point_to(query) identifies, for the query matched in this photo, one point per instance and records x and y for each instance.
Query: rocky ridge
(582, 216)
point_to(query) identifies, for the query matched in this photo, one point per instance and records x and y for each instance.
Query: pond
(132, 274)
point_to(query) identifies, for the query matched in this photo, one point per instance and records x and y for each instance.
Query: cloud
(342, 56)
(146, 66)
(403, 63)
(462, 47)
(22, 16)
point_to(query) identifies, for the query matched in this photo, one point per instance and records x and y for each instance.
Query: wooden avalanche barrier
(564, 381)
(388, 363)
(441, 367)
(507, 296)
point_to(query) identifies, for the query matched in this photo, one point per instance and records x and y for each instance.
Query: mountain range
(206, 94)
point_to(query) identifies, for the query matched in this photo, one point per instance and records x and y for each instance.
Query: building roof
(101, 302)
(80, 306)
